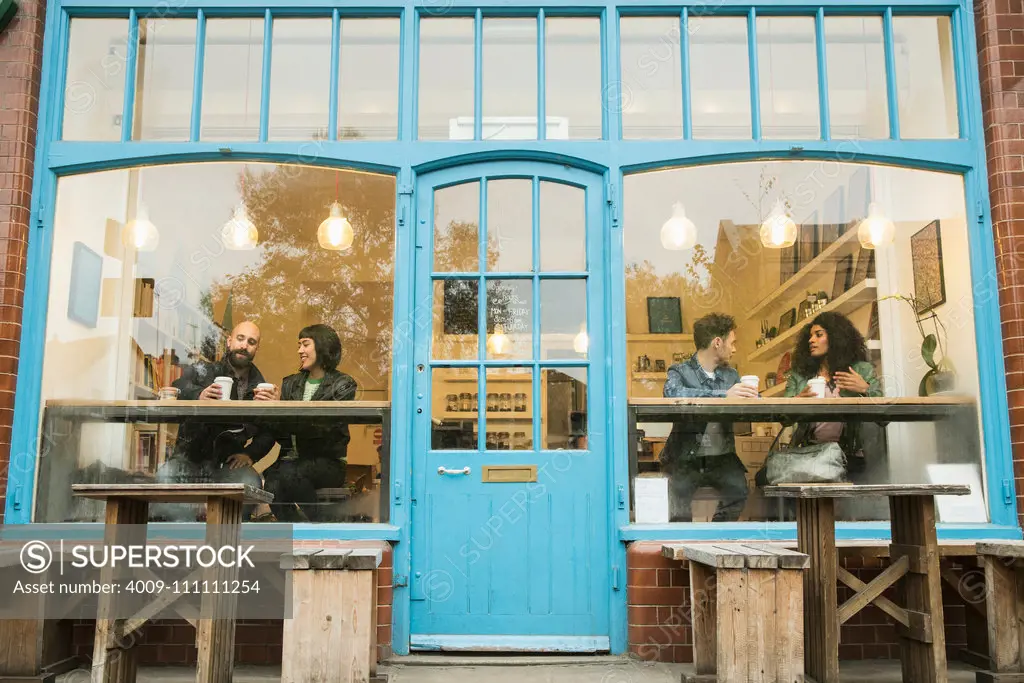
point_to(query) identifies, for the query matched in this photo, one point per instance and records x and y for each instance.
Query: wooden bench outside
(747, 602)
(331, 636)
(1004, 605)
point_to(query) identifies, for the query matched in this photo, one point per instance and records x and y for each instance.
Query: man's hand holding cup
(214, 392)
(741, 390)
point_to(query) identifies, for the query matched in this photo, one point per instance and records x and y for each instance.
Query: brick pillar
(21, 56)
(1000, 29)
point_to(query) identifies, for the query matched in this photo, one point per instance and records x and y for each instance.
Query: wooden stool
(331, 636)
(1004, 605)
(748, 618)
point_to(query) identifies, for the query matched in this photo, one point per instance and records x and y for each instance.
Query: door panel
(520, 564)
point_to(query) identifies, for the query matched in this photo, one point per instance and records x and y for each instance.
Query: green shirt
(311, 386)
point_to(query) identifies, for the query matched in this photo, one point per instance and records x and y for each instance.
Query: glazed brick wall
(257, 642)
(21, 57)
(658, 595)
(1000, 31)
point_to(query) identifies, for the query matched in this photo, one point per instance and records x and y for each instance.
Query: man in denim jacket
(700, 455)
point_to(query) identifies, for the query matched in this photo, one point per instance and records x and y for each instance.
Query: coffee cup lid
(223, 379)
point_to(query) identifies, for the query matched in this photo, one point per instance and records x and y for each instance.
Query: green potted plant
(941, 375)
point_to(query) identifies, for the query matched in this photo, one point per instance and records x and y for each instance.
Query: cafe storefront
(513, 217)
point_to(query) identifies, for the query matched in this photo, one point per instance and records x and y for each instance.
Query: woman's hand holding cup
(265, 391)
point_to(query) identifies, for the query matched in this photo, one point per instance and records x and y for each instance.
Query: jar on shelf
(465, 402)
(519, 441)
(520, 403)
(452, 403)
(492, 443)
(473, 405)
(492, 403)
(503, 441)
(506, 403)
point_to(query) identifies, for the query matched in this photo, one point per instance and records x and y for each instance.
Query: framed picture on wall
(807, 241)
(86, 279)
(926, 255)
(844, 271)
(787, 320)
(664, 315)
(865, 266)
(787, 263)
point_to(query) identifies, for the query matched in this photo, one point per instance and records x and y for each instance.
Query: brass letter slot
(496, 474)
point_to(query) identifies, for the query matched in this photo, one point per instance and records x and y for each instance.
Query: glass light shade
(140, 233)
(498, 342)
(581, 342)
(876, 230)
(678, 232)
(778, 230)
(335, 233)
(240, 233)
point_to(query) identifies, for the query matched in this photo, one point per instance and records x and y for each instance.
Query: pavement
(504, 669)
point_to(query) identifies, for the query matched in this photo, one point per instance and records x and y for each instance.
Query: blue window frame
(612, 156)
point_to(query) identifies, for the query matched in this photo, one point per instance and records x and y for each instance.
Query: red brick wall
(258, 642)
(1000, 29)
(21, 47)
(658, 594)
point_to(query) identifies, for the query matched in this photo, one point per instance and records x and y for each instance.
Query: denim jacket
(688, 380)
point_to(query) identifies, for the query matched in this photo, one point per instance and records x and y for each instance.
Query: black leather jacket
(324, 440)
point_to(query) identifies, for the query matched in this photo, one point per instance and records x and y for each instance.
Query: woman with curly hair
(830, 347)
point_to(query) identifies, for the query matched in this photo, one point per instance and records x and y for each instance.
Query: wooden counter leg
(114, 660)
(215, 630)
(816, 537)
(923, 644)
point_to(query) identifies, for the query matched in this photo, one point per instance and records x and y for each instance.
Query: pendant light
(876, 230)
(140, 233)
(335, 233)
(678, 232)
(581, 343)
(778, 230)
(498, 342)
(240, 233)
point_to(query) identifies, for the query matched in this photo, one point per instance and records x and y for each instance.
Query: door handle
(444, 470)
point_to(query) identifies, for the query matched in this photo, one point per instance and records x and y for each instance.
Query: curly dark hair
(327, 345)
(845, 345)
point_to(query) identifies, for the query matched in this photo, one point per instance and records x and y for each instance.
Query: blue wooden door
(511, 513)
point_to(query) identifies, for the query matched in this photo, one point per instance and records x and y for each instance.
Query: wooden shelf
(524, 377)
(862, 293)
(846, 244)
(659, 338)
(651, 375)
(491, 417)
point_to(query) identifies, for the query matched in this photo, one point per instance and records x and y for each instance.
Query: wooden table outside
(914, 561)
(127, 512)
(62, 420)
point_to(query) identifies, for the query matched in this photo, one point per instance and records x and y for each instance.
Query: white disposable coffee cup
(225, 384)
(752, 381)
(265, 386)
(817, 385)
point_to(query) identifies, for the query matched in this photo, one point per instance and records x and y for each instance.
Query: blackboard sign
(460, 307)
(664, 315)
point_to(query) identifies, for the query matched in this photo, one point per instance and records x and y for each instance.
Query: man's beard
(239, 359)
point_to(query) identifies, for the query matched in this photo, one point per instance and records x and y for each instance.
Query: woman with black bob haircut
(311, 457)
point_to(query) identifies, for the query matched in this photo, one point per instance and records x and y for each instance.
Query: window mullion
(131, 64)
(332, 116)
(268, 39)
(478, 75)
(542, 129)
(823, 107)
(755, 96)
(684, 70)
(890, 76)
(197, 79)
